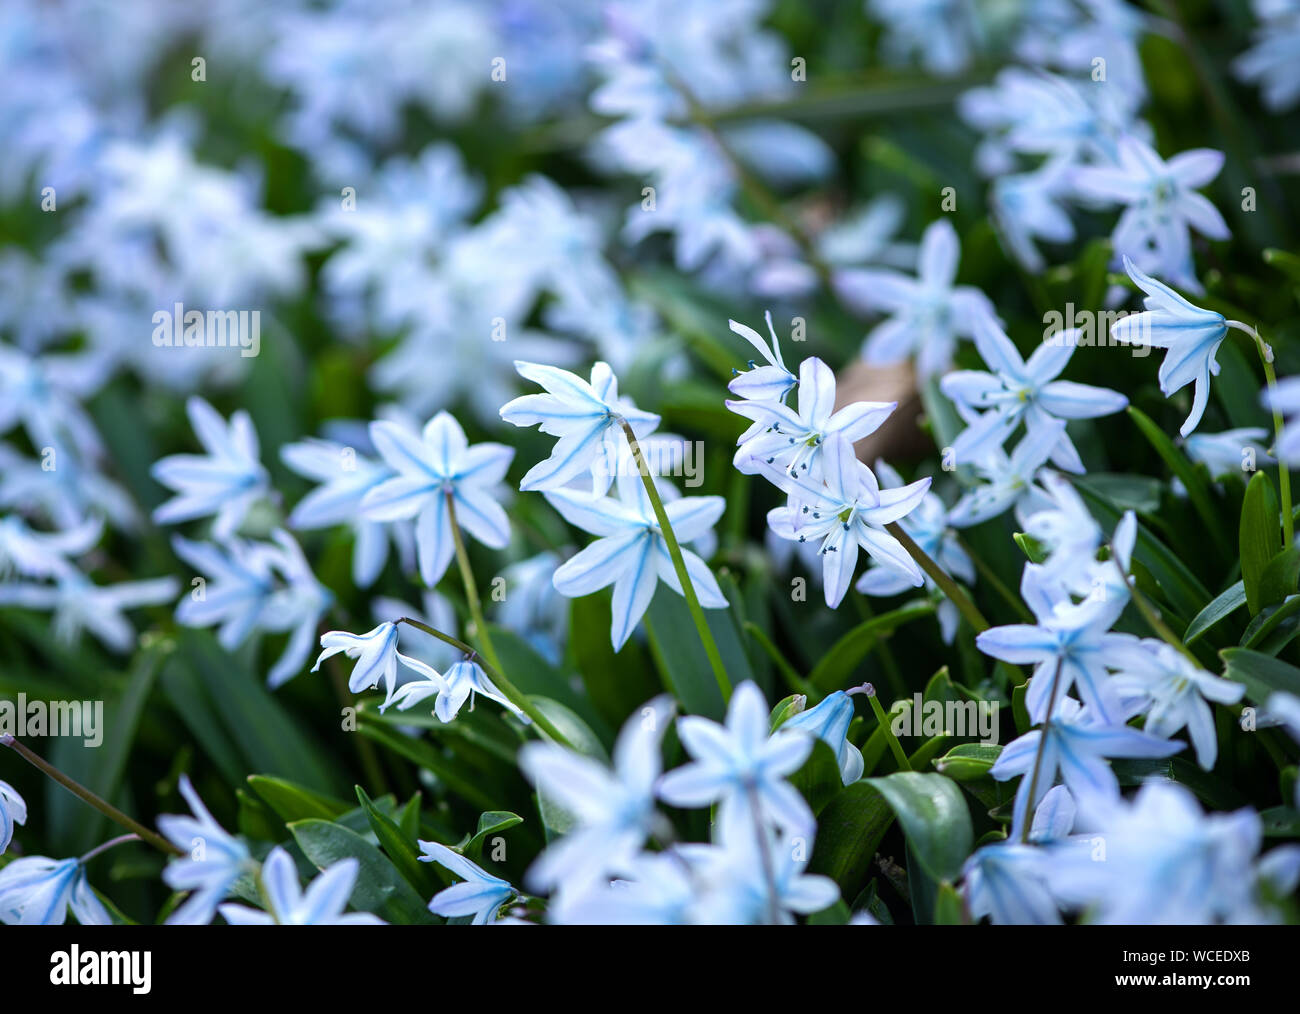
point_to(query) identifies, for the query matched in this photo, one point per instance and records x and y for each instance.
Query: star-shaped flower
(322, 904)
(226, 482)
(631, 552)
(587, 418)
(1017, 391)
(433, 468)
(846, 511)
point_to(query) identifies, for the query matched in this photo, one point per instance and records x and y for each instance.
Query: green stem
(997, 584)
(1028, 817)
(797, 683)
(679, 565)
(882, 720)
(508, 689)
(84, 794)
(940, 577)
(1283, 473)
(480, 631)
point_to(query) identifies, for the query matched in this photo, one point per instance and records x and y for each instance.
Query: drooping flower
(376, 656)
(287, 904)
(13, 810)
(1192, 336)
(771, 382)
(464, 681)
(481, 894)
(224, 483)
(631, 553)
(36, 891)
(587, 419)
(829, 721)
(435, 469)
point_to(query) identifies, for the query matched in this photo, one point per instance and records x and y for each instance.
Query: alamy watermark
(25, 718)
(1089, 328)
(215, 329)
(924, 719)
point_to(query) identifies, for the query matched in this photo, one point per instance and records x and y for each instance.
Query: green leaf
(1280, 577)
(680, 656)
(579, 734)
(1031, 547)
(402, 851)
(935, 819)
(1192, 478)
(849, 830)
(786, 709)
(836, 667)
(1274, 628)
(1223, 605)
(968, 762)
(492, 822)
(949, 910)
(1262, 674)
(295, 802)
(380, 888)
(1260, 536)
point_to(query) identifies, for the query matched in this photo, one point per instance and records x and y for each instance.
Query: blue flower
(225, 483)
(784, 439)
(1159, 859)
(322, 904)
(1285, 400)
(631, 552)
(849, 511)
(1192, 336)
(587, 419)
(829, 721)
(740, 765)
(1009, 479)
(928, 313)
(771, 382)
(376, 658)
(1232, 452)
(1162, 205)
(613, 809)
(995, 403)
(1007, 883)
(1173, 694)
(36, 891)
(927, 525)
(213, 860)
(481, 894)
(1075, 636)
(13, 810)
(462, 682)
(1077, 747)
(432, 468)
(1271, 62)
(346, 476)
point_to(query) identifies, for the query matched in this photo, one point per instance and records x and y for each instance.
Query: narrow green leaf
(1260, 536)
(935, 819)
